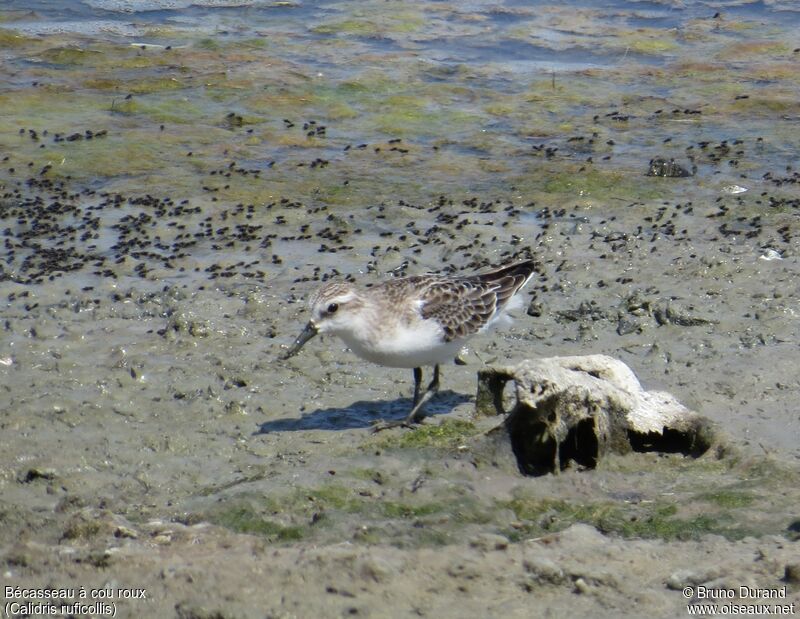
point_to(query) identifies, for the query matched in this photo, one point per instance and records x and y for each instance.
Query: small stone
(544, 570)
(188, 610)
(682, 578)
(198, 328)
(733, 189)
(376, 570)
(19, 556)
(123, 531)
(770, 254)
(791, 573)
(535, 309)
(626, 326)
(581, 586)
(234, 408)
(466, 569)
(489, 541)
(35, 473)
(666, 169)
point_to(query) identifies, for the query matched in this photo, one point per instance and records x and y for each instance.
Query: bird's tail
(509, 279)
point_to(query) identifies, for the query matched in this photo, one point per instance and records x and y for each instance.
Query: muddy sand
(153, 441)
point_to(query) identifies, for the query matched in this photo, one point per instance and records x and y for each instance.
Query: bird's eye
(332, 308)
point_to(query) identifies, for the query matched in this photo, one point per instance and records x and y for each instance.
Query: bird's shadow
(363, 414)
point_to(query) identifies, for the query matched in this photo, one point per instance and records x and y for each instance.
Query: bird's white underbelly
(403, 346)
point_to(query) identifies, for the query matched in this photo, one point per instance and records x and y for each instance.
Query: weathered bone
(576, 409)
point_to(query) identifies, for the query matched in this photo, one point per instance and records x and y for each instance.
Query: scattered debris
(667, 169)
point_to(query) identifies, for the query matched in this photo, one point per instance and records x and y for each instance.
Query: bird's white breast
(399, 344)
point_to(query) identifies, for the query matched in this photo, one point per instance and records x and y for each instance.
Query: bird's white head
(334, 308)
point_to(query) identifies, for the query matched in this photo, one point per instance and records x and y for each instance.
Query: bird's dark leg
(433, 387)
(414, 416)
(417, 384)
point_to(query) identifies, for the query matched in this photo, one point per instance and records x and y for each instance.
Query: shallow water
(476, 92)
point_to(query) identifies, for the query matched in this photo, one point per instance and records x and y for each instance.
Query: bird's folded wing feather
(462, 308)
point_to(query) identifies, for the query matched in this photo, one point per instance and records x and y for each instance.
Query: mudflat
(172, 195)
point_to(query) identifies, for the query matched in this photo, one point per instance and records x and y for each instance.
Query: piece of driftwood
(573, 410)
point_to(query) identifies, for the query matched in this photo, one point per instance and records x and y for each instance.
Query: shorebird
(410, 322)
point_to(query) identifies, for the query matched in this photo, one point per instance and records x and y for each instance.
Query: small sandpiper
(413, 321)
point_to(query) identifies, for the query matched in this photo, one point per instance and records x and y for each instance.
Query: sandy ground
(152, 441)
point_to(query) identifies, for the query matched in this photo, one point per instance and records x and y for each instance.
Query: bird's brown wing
(461, 305)
(464, 305)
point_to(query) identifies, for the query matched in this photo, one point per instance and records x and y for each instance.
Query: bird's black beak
(306, 334)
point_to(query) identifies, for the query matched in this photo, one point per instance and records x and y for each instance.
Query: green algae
(391, 23)
(661, 522)
(10, 16)
(101, 57)
(84, 526)
(12, 39)
(393, 515)
(601, 184)
(767, 471)
(154, 84)
(448, 434)
(164, 110)
(40, 107)
(137, 86)
(208, 44)
(340, 498)
(243, 518)
(283, 102)
(765, 106)
(406, 116)
(108, 158)
(333, 496)
(70, 56)
(652, 46)
(654, 520)
(726, 497)
(360, 27)
(337, 110)
(756, 49)
(392, 509)
(252, 43)
(647, 41)
(687, 509)
(368, 474)
(104, 83)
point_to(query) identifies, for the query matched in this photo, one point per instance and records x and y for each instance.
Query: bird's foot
(380, 426)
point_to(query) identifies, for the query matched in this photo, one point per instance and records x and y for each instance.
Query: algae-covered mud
(176, 177)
